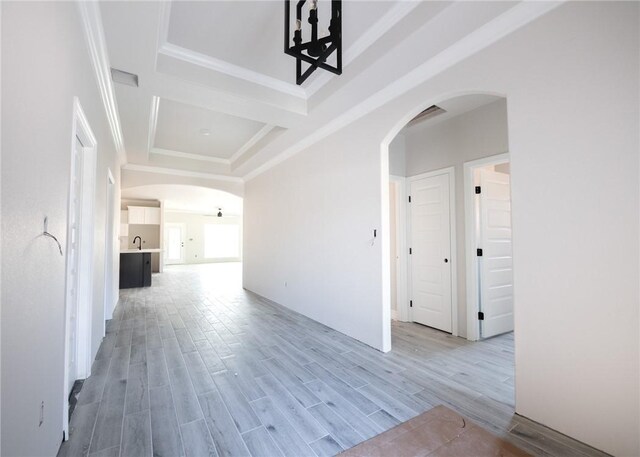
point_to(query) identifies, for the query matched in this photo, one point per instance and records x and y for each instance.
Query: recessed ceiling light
(205, 132)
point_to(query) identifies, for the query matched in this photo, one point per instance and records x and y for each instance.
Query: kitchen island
(135, 268)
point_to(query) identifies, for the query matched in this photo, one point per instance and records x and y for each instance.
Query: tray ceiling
(195, 130)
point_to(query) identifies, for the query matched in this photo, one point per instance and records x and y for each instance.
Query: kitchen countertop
(139, 251)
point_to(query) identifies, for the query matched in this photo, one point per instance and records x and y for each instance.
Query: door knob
(446, 260)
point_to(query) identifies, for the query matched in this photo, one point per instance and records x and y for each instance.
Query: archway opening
(446, 199)
(190, 224)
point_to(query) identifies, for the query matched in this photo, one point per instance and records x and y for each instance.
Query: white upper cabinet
(152, 216)
(136, 215)
(144, 215)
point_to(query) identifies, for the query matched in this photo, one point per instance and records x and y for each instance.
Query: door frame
(451, 172)
(402, 281)
(81, 129)
(110, 288)
(473, 324)
(183, 227)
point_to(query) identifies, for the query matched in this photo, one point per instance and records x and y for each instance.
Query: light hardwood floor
(197, 366)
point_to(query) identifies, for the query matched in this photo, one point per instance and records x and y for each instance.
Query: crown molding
(218, 65)
(264, 131)
(189, 155)
(153, 123)
(516, 17)
(372, 34)
(163, 28)
(94, 34)
(221, 66)
(185, 173)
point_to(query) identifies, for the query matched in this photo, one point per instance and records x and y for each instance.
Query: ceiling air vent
(124, 77)
(429, 113)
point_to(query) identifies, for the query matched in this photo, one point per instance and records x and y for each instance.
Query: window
(221, 241)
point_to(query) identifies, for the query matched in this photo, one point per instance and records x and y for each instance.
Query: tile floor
(197, 366)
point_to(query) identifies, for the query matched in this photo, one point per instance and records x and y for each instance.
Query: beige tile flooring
(197, 366)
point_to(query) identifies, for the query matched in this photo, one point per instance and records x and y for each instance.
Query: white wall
(472, 135)
(571, 80)
(45, 63)
(194, 237)
(397, 156)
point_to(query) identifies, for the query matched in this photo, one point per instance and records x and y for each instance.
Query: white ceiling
(220, 65)
(250, 33)
(181, 127)
(191, 199)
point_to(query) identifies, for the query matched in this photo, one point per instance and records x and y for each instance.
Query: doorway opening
(79, 255)
(488, 231)
(450, 261)
(195, 225)
(433, 259)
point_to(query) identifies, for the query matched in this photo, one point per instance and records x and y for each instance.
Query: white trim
(402, 280)
(365, 41)
(81, 129)
(153, 123)
(508, 22)
(451, 172)
(94, 34)
(260, 134)
(109, 289)
(163, 27)
(174, 172)
(473, 325)
(189, 155)
(161, 257)
(221, 66)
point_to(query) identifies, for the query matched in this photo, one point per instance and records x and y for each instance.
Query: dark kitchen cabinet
(135, 270)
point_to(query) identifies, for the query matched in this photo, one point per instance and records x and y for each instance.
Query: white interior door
(495, 264)
(73, 263)
(174, 244)
(431, 252)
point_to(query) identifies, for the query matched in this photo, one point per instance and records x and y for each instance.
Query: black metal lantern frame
(316, 51)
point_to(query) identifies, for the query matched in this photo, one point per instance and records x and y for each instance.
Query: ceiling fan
(218, 214)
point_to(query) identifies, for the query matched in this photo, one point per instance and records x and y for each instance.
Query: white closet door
(431, 252)
(496, 271)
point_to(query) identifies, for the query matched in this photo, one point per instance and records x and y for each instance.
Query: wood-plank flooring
(197, 366)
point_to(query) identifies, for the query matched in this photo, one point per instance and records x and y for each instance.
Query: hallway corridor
(197, 366)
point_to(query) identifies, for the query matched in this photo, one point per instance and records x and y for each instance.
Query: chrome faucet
(139, 244)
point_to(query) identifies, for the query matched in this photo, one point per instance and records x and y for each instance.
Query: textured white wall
(397, 156)
(571, 81)
(45, 63)
(473, 135)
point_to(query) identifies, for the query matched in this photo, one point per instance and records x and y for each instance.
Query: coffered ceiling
(217, 95)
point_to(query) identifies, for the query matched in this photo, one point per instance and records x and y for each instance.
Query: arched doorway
(438, 218)
(197, 224)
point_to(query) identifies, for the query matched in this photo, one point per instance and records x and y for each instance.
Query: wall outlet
(41, 414)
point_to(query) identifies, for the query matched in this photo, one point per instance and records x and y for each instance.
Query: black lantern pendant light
(316, 51)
